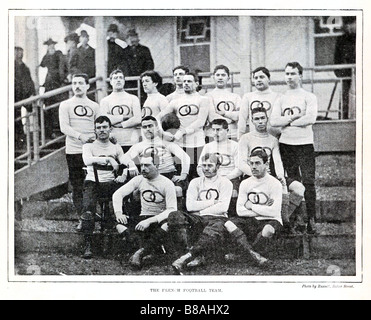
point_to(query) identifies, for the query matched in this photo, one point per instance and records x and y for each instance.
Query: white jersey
(228, 102)
(94, 152)
(258, 192)
(228, 152)
(76, 117)
(124, 111)
(178, 93)
(203, 192)
(252, 100)
(158, 196)
(164, 150)
(298, 101)
(154, 104)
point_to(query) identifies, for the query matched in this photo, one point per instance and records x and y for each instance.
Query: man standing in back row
(295, 112)
(76, 119)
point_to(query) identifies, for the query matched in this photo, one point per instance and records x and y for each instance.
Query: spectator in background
(345, 53)
(138, 59)
(24, 87)
(73, 58)
(115, 49)
(54, 62)
(87, 59)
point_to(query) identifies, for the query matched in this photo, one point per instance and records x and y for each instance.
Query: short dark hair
(259, 109)
(295, 65)
(155, 158)
(213, 157)
(81, 75)
(195, 76)
(149, 118)
(222, 67)
(184, 68)
(261, 154)
(264, 70)
(220, 122)
(116, 71)
(156, 78)
(102, 119)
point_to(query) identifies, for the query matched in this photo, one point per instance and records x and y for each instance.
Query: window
(194, 42)
(326, 32)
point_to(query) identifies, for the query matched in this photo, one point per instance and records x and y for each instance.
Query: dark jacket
(115, 57)
(56, 74)
(345, 53)
(87, 61)
(137, 60)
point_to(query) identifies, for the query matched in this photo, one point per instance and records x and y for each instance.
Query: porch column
(245, 24)
(101, 57)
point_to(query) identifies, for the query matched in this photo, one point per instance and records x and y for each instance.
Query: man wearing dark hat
(73, 58)
(54, 62)
(87, 59)
(115, 49)
(138, 59)
(87, 55)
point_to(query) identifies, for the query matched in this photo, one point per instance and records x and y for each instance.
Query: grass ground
(58, 264)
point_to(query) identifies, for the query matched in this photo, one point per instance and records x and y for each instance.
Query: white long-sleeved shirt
(297, 101)
(97, 153)
(124, 111)
(252, 140)
(178, 93)
(258, 192)
(228, 151)
(157, 196)
(76, 117)
(192, 111)
(202, 193)
(251, 100)
(229, 102)
(154, 104)
(165, 151)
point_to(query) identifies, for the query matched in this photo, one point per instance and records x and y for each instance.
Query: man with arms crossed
(261, 139)
(152, 143)
(158, 199)
(76, 120)
(123, 109)
(208, 200)
(262, 97)
(227, 150)
(226, 104)
(295, 113)
(192, 110)
(258, 208)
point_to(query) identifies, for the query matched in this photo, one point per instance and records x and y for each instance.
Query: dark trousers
(151, 239)
(76, 176)
(251, 227)
(204, 233)
(194, 154)
(300, 165)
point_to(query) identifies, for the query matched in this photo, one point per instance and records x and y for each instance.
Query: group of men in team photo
(193, 175)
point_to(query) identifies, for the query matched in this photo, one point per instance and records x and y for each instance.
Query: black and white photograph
(173, 149)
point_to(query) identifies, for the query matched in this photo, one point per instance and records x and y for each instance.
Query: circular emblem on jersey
(121, 110)
(257, 198)
(189, 110)
(226, 106)
(146, 112)
(225, 159)
(291, 111)
(152, 196)
(211, 194)
(260, 104)
(157, 151)
(83, 111)
(267, 150)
